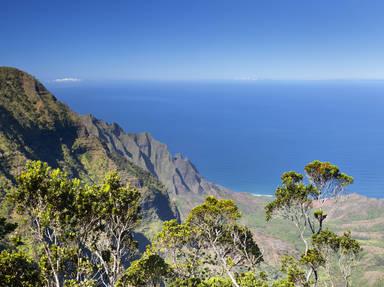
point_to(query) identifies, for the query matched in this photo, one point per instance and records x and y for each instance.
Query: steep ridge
(35, 125)
(184, 183)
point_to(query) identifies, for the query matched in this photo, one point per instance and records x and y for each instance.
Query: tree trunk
(225, 266)
(229, 273)
(57, 280)
(316, 277)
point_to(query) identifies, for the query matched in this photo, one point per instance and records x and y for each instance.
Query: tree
(314, 260)
(177, 244)
(295, 200)
(85, 232)
(349, 251)
(327, 179)
(208, 245)
(215, 225)
(149, 270)
(344, 249)
(327, 243)
(118, 214)
(46, 196)
(295, 274)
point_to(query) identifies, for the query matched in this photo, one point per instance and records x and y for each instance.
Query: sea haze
(243, 135)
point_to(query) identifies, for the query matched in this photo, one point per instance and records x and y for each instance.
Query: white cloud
(66, 80)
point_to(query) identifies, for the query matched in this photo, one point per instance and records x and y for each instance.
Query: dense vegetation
(80, 234)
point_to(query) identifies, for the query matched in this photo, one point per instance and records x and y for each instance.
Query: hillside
(35, 125)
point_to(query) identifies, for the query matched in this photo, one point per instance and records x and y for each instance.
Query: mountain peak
(12, 70)
(27, 101)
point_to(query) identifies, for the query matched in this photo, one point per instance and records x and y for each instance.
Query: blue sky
(196, 39)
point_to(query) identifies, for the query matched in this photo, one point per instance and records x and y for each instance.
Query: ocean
(245, 134)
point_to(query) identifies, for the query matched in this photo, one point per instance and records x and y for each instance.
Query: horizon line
(239, 80)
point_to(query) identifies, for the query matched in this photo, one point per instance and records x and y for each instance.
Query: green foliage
(217, 282)
(344, 249)
(291, 195)
(215, 223)
(173, 234)
(295, 273)
(214, 226)
(249, 279)
(213, 213)
(114, 218)
(5, 229)
(313, 258)
(149, 270)
(294, 201)
(326, 239)
(18, 270)
(76, 283)
(186, 282)
(349, 252)
(46, 196)
(176, 242)
(326, 181)
(283, 283)
(208, 243)
(327, 178)
(83, 236)
(348, 245)
(82, 232)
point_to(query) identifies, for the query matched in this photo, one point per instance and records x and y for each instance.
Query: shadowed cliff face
(33, 124)
(182, 180)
